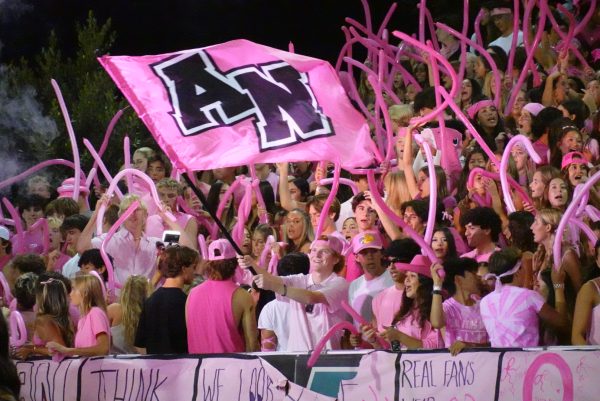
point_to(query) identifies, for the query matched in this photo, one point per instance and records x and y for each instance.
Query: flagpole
(212, 213)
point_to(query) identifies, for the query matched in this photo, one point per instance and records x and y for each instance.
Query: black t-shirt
(162, 329)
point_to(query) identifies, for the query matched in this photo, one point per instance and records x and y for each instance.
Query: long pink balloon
(564, 36)
(495, 176)
(104, 294)
(593, 213)
(43, 225)
(389, 143)
(101, 165)
(329, 201)
(400, 222)
(592, 237)
(442, 123)
(107, 134)
(314, 355)
(478, 36)
(386, 19)
(243, 213)
(127, 158)
(515, 37)
(6, 294)
(229, 194)
(202, 246)
(18, 330)
(510, 206)
(37, 167)
(18, 224)
(361, 320)
(76, 161)
(112, 187)
(432, 189)
(568, 215)
(109, 267)
(263, 218)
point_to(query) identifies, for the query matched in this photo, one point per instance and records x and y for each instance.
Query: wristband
(437, 288)
(559, 285)
(284, 293)
(436, 292)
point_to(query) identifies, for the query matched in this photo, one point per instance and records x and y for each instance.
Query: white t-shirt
(345, 212)
(71, 267)
(306, 328)
(505, 42)
(362, 292)
(274, 317)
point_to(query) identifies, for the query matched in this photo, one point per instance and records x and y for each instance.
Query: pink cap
(573, 158)
(500, 11)
(67, 188)
(474, 109)
(419, 264)
(533, 108)
(221, 249)
(365, 240)
(332, 242)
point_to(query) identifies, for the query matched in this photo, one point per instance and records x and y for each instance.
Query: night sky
(154, 27)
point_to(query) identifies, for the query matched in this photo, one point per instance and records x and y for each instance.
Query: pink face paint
(109, 267)
(6, 294)
(101, 165)
(330, 198)
(568, 215)
(314, 356)
(127, 154)
(375, 197)
(107, 134)
(432, 189)
(360, 320)
(65, 112)
(18, 331)
(37, 167)
(560, 364)
(510, 206)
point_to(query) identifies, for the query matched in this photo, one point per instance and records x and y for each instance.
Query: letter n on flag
(239, 102)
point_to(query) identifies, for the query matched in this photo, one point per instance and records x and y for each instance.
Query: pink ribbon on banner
(432, 189)
(314, 355)
(37, 167)
(18, 330)
(101, 165)
(109, 267)
(510, 206)
(6, 294)
(361, 320)
(568, 216)
(329, 201)
(76, 161)
(111, 126)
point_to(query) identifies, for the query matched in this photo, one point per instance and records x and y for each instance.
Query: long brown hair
(422, 302)
(135, 291)
(91, 293)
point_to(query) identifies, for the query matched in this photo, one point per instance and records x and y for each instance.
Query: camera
(170, 237)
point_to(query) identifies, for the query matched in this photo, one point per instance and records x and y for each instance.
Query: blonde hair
(54, 222)
(399, 111)
(550, 216)
(128, 200)
(91, 293)
(397, 191)
(169, 183)
(548, 173)
(133, 295)
(146, 152)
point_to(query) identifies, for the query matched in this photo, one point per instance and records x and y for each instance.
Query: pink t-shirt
(463, 323)
(542, 150)
(410, 326)
(155, 226)
(593, 337)
(90, 326)
(353, 269)
(308, 327)
(385, 306)
(479, 257)
(31, 242)
(510, 316)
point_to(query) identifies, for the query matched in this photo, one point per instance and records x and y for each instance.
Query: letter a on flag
(239, 102)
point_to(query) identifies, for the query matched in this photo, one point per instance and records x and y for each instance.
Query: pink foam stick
(478, 36)
(107, 134)
(101, 165)
(264, 216)
(314, 356)
(367, 10)
(432, 189)
(262, 261)
(104, 294)
(483, 53)
(593, 213)
(229, 195)
(330, 198)
(528, 62)
(361, 320)
(510, 206)
(18, 330)
(386, 19)
(202, 246)
(495, 176)
(515, 37)
(528, 49)
(291, 47)
(127, 158)
(112, 188)
(455, 85)
(6, 294)
(75, 149)
(42, 224)
(568, 215)
(345, 181)
(37, 167)
(375, 197)
(433, 38)
(12, 211)
(592, 237)
(113, 229)
(421, 6)
(442, 122)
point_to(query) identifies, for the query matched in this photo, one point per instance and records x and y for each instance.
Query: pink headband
(474, 109)
(500, 11)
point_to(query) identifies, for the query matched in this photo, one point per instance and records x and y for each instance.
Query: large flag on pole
(239, 102)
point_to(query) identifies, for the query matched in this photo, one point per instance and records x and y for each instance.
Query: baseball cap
(533, 108)
(573, 158)
(221, 249)
(364, 240)
(332, 242)
(419, 264)
(4, 233)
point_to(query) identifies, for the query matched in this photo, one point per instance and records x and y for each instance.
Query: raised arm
(407, 161)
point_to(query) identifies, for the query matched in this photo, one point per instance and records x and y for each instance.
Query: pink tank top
(594, 333)
(210, 324)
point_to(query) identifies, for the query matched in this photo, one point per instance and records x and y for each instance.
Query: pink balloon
(478, 36)
(386, 116)
(229, 195)
(592, 237)
(107, 134)
(330, 198)
(360, 320)
(101, 165)
(422, 8)
(43, 225)
(109, 267)
(510, 206)
(18, 330)
(567, 217)
(6, 294)
(442, 124)
(202, 246)
(263, 255)
(496, 177)
(314, 356)
(204, 221)
(528, 48)
(432, 189)
(563, 36)
(37, 167)
(263, 217)
(65, 112)
(243, 213)
(127, 154)
(18, 224)
(511, 55)
(345, 181)
(593, 213)
(386, 19)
